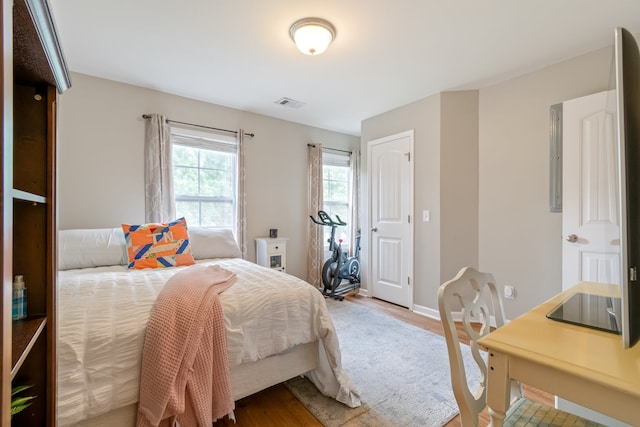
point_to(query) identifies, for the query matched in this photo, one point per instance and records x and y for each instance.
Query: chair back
(474, 297)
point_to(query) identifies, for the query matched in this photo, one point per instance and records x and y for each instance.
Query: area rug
(401, 370)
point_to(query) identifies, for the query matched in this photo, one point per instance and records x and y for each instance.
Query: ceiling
(386, 54)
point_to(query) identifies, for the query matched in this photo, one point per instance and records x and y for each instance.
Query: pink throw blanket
(185, 367)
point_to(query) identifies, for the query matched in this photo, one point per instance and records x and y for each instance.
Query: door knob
(374, 228)
(572, 238)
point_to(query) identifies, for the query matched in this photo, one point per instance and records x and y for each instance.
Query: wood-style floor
(277, 407)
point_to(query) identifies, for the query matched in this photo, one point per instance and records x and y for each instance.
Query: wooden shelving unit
(25, 333)
(34, 73)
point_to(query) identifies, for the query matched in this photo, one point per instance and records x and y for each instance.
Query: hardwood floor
(277, 407)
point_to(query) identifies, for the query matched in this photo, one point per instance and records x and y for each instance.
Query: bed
(277, 326)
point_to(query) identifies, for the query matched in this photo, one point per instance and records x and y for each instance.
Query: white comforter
(103, 312)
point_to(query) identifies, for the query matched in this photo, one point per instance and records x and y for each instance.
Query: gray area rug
(401, 370)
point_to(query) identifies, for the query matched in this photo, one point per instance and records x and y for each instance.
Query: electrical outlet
(509, 292)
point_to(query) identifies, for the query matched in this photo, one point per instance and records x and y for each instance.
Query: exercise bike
(338, 267)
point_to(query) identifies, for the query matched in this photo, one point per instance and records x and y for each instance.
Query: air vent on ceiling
(288, 102)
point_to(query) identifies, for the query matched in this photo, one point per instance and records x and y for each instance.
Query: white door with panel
(390, 212)
(590, 220)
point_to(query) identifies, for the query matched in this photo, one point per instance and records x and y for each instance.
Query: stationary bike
(338, 266)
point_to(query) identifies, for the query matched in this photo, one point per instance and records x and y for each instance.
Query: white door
(391, 223)
(591, 233)
(589, 204)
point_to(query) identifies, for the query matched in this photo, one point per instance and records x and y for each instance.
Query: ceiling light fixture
(312, 35)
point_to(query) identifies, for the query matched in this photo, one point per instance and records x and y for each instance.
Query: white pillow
(91, 248)
(209, 243)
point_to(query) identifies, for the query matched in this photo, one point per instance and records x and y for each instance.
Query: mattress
(103, 312)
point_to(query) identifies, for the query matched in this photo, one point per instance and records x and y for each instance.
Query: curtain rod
(147, 116)
(331, 149)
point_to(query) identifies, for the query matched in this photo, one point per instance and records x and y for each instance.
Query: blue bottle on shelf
(19, 310)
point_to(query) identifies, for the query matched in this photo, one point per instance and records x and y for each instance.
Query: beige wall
(482, 169)
(100, 159)
(423, 117)
(445, 154)
(459, 182)
(520, 240)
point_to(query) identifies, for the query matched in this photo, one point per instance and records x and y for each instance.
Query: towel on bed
(185, 368)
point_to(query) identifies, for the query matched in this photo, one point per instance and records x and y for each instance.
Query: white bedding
(103, 312)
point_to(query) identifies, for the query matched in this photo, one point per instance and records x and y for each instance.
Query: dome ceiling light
(312, 35)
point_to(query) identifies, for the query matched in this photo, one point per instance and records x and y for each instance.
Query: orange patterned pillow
(158, 245)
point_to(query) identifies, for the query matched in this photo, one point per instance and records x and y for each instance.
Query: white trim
(363, 292)
(435, 314)
(426, 312)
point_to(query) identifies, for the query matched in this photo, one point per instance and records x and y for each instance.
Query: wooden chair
(474, 295)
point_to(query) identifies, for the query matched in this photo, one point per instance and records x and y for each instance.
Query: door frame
(370, 144)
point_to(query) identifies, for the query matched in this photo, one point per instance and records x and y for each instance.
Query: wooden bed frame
(246, 379)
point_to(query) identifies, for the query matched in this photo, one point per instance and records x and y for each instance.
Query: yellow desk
(583, 365)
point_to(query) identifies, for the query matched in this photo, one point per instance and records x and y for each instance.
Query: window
(337, 194)
(204, 177)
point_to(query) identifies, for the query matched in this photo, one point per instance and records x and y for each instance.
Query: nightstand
(272, 252)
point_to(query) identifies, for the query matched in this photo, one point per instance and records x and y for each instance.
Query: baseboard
(426, 311)
(435, 314)
(363, 292)
(430, 312)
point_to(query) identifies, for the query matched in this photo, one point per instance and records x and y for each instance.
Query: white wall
(520, 240)
(100, 160)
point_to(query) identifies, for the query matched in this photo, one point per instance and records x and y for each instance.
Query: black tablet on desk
(591, 311)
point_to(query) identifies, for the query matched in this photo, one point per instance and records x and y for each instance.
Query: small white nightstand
(272, 252)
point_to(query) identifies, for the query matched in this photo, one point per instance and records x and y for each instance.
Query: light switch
(425, 216)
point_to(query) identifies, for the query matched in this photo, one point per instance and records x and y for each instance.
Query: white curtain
(241, 208)
(158, 186)
(354, 164)
(315, 252)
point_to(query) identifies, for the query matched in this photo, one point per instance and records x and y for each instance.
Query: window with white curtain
(337, 193)
(205, 177)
